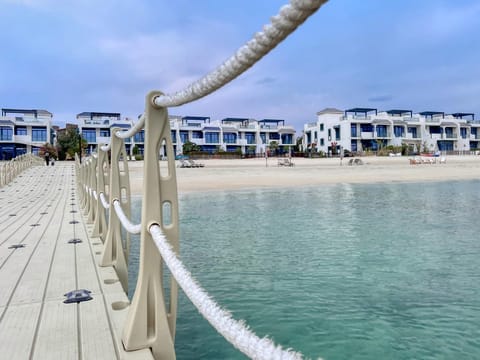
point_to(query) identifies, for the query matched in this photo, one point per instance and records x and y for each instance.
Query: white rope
(133, 130)
(104, 201)
(106, 147)
(236, 332)
(287, 20)
(131, 228)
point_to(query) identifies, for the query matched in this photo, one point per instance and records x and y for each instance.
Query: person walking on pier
(47, 158)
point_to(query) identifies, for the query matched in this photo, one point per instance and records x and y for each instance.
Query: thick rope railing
(127, 224)
(288, 19)
(9, 170)
(150, 322)
(104, 201)
(236, 332)
(127, 133)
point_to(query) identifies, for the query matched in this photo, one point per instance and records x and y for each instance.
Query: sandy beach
(259, 173)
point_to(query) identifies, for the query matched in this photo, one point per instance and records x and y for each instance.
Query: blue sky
(70, 56)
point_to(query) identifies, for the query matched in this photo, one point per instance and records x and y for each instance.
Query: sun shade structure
(359, 110)
(461, 115)
(399, 112)
(431, 114)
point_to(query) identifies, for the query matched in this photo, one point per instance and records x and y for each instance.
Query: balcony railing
(23, 139)
(366, 135)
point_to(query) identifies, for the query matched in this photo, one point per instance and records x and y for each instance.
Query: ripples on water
(342, 272)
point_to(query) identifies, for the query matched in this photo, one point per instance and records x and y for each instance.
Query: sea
(346, 271)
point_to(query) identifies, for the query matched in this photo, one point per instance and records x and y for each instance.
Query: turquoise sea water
(340, 272)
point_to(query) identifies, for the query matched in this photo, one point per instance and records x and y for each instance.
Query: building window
(449, 133)
(463, 133)
(353, 130)
(274, 136)
(329, 134)
(366, 128)
(398, 131)
(6, 133)
(184, 136)
(39, 134)
(353, 145)
(105, 132)
(321, 127)
(381, 130)
(229, 138)
(212, 138)
(174, 136)
(412, 130)
(263, 136)
(322, 142)
(90, 135)
(21, 130)
(139, 137)
(337, 133)
(250, 137)
(197, 135)
(287, 139)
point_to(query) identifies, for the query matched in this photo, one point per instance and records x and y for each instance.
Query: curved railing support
(92, 184)
(149, 323)
(100, 221)
(114, 253)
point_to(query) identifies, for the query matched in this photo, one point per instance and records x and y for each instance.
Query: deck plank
(34, 321)
(18, 330)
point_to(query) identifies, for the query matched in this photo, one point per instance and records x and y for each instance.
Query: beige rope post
(92, 184)
(149, 323)
(113, 250)
(100, 222)
(80, 183)
(86, 167)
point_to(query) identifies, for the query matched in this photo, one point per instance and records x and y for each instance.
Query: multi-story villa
(243, 135)
(247, 136)
(24, 131)
(95, 128)
(363, 129)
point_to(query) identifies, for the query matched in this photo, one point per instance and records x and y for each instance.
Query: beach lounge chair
(443, 160)
(285, 162)
(195, 164)
(184, 164)
(355, 162)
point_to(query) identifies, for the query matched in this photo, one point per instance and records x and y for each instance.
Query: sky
(71, 56)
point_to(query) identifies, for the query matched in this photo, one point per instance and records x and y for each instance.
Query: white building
(241, 135)
(95, 128)
(367, 129)
(24, 131)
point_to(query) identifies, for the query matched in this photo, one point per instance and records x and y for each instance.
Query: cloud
(380, 98)
(266, 80)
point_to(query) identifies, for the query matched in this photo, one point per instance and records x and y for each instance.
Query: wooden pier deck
(39, 212)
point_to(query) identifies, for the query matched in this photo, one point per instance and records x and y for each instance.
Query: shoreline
(251, 174)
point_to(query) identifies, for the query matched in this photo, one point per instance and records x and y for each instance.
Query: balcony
(366, 135)
(436, 136)
(411, 137)
(22, 139)
(198, 141)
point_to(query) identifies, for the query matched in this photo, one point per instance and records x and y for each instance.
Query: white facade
(95, 128)
(241, 135)
(363, 129)
(24, 131)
